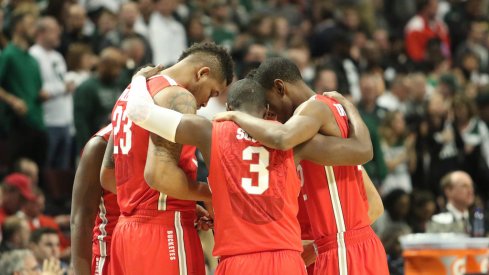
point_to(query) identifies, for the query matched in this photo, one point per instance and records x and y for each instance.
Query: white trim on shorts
(182, 257)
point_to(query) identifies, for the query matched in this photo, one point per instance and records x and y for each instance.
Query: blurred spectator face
(401, 208)
(478, 31)
(281, 27)
(195, 29)
(326, 81)
(369, 88)
(381, 37)
(106, 22)
(351, 19)
(19, 262)
(28, 168)
(461, 190)
(265, 27)
(470, 62)
(22, 239)
(48, 247)
(111, 64)
(300, 56)
(400, 88)
(417, 86)
(431, 9)
(146, 7)
(12, 199)
(134, 49)
(76, 18)
(27, 28)
(220, 13)
(34, 208)
(166, 7)
(398, 124)
(256, 53)
(128, 14)
(31, 267)
(437, 105)
(49, 33)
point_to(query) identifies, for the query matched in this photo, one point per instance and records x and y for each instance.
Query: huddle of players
(256, 189)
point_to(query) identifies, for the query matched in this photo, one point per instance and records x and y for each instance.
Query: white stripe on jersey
(339, 219)
(103, 233)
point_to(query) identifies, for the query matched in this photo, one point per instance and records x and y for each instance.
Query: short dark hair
(246, 94)
(37, 234)
(10, 226)
(276, 68)
(220, 58)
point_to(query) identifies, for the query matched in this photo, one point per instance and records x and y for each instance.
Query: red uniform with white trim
(105, 222)
(254, 194)
(337, 206)
(155, 233)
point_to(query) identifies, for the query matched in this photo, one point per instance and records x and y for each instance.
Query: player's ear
(203, 72)
(279, 87)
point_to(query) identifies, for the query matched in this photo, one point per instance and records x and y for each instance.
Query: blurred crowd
(418, 71)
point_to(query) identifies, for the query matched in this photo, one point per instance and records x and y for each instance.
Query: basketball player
(92, 204)
(155, 233)
(254, 188)
(335, 197)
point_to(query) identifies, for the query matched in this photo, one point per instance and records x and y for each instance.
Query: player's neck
(300, 93)
(177, 73)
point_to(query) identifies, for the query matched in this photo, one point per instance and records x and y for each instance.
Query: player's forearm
(269, 133)
(174, 183)
(81, 243)
(375, 205)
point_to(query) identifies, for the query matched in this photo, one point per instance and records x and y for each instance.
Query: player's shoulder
(175, 95)
(315, 105)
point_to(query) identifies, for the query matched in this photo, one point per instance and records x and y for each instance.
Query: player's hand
(149, 71)
(309, 254)
(18, 105)
(225, 116)
(204, 220)
(52, 267)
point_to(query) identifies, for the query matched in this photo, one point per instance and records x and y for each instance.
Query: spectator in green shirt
(373, 114)
(95, 98)
(20, 93)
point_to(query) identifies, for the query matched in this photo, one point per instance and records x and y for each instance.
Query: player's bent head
(248, 96)
(276, 68)
(213, 56)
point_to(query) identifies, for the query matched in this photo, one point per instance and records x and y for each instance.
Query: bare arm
(84, 205)
(161, 171)
(375, 205)
(107, 173)
(295, 131)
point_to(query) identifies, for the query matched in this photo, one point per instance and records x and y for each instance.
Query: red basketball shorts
(263, 263)
(162, 243)
(359, 253)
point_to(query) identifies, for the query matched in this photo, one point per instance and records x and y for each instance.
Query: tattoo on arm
(166, 151)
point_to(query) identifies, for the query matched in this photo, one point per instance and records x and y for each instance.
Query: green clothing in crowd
(93, 102)
(20, 76)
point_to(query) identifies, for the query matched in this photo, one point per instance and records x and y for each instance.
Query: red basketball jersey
(335, 197)
(130, 151)
(254, 194)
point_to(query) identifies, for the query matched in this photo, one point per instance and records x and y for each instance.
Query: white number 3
(260, 168)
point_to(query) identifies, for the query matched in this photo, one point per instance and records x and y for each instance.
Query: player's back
(130, 152)
(335, 197)
(254, 194)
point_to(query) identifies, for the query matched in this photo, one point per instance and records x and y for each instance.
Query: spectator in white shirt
(56, 94)
(166, 35)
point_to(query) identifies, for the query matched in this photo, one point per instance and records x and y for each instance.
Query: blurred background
(418, 71)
